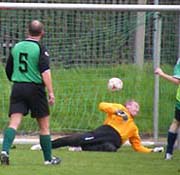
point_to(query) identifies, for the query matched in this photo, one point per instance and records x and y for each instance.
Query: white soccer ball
(115, 84)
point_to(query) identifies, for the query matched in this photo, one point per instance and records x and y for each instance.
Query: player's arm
(135, 141)
(110, 108)
(106, 107)
(114, 109)
(136, 144)
(46, 74)
(170, 78)
(9, 67)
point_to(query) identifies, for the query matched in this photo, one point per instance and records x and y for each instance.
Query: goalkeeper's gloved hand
(158, 149)
(121, 114)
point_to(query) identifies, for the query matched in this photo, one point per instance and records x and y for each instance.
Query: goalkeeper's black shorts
(104, 138)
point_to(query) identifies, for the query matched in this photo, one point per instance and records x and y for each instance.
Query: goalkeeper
(118, 127)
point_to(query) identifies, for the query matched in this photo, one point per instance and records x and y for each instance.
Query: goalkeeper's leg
(72, 140)
(98, 137)
(76, 140)
(104, 147)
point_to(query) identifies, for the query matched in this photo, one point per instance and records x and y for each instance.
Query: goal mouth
(88, 43)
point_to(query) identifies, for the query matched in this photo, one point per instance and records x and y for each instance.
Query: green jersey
(28, 61)
(176, 74)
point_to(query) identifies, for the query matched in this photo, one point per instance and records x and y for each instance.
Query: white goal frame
(103, 7)
(111, 7)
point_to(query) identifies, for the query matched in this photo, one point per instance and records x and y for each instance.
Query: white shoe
(36, 147)
(168, 156)
(54, 161)
(158, 149)
(4, 158)
(75, 148)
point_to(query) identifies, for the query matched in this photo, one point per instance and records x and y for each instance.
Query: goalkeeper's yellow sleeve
(137, 145)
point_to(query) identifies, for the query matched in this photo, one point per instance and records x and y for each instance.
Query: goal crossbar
(84, 7)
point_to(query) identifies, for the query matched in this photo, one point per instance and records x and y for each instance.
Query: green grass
(78, 92)
(124, 162)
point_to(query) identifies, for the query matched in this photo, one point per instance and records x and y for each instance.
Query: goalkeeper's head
(133, 107)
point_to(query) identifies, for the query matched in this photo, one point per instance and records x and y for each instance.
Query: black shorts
(27, 97)
(103, 134)
(177, 114)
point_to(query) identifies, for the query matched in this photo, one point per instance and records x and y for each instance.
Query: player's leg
(17, 110)
(104, 138)
(172, 135)
(38, 105)
(71, 140)
(74, 141)
(45, 141)
(104, 147)
(9, 135)
(77, 140)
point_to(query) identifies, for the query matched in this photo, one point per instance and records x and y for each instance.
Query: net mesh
(76, 38)
(88, 48)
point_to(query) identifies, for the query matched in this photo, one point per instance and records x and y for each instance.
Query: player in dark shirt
(28, 68)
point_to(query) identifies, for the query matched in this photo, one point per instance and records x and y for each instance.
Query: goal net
(88, 47)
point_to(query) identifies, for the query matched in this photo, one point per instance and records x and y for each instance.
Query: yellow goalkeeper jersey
(127, 129)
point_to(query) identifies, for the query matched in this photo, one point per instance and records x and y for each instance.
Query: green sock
(45, 142)
(9, 135)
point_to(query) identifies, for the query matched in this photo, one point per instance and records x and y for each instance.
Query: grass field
(124, 162)
(78, 92)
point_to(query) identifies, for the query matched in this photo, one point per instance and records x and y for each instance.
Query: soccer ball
(115, 84)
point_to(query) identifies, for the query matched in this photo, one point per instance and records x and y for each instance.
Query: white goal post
(103, 7)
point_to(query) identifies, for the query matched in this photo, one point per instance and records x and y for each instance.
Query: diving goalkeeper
(118, 127)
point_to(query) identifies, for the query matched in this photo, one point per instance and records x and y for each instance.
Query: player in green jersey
(28, 68)
(173, 129)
